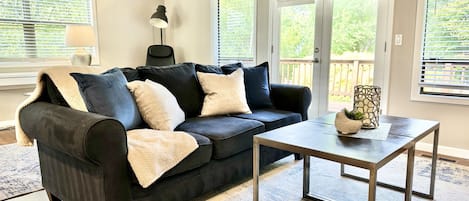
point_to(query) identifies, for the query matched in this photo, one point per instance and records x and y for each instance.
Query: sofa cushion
(256, 80)
(224, 94)
(130, 73)
(272, 118)
(199, 157)
(107, 94)
(181, 81)
(214, 68)
(229, 135)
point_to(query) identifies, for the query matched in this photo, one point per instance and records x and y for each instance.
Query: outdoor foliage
(236, 28)
(354, 28)
(447, 36)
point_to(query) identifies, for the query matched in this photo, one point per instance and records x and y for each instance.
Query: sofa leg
(298, 156)
(52, 197)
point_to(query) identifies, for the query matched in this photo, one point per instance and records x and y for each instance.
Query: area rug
(19, 171)
(282, 181)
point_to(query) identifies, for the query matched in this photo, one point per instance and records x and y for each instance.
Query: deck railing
(344, 74)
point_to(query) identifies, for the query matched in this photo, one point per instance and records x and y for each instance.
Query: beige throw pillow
(224, 94)
(158, 106)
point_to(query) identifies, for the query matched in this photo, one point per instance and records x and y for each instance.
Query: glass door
(353, 43)
(300, 42)
(329, 46)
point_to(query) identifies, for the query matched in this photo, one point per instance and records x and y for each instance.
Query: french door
(329, 46)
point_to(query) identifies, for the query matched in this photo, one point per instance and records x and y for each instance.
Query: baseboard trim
(6, 124)
(444, 150)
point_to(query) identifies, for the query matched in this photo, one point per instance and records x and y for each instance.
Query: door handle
(316, 60)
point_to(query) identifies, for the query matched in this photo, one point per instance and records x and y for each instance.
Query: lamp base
(81, 59)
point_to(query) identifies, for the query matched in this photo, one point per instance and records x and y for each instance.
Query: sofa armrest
(84, 136)
(293, 98)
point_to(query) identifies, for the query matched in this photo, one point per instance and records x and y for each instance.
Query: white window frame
(21, 65)
(415, 88)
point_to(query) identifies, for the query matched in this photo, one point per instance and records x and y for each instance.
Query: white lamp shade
(79, 36)
(158, 23)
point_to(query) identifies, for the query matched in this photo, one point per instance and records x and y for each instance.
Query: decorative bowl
(345, 125)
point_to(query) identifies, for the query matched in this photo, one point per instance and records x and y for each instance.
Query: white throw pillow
(224, 94)
(157, 105)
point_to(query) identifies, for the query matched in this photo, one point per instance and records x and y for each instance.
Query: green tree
(354, 28)
(447, 31)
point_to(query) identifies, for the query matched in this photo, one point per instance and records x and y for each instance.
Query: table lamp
(80, 36)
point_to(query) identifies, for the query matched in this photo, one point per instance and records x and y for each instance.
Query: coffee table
(318, 138)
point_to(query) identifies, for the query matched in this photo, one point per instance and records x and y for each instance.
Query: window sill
(439, 99)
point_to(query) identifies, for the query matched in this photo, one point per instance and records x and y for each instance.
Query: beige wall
(190, 30)
(9, 100)
(454, 130)
(124, 31)
(124, 35)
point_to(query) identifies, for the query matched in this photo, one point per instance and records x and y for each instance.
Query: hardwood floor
(7, 136)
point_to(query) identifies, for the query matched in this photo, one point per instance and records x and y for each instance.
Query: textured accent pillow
(158, 106)
(216, 69)
(256, 80)
(224, 94)
(181, 81)
(107, 94)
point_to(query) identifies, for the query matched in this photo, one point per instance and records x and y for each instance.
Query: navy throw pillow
(181, 81)
(216, 69)
(256, 82)
(130, 73)
(107, 94)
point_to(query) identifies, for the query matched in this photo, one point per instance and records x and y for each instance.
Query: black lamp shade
(159, 19)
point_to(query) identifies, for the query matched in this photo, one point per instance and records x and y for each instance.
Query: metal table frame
(372, 180)
(431, 191)
(306, 174)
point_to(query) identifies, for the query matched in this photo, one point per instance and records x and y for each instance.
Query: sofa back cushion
(216, 69)
(181, 81)
(131, 74)
(107, 94)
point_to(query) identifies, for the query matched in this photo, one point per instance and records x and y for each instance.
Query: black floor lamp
(160, 55)
(159, 20)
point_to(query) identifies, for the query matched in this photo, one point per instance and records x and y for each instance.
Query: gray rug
(283, 181)
(19, 171)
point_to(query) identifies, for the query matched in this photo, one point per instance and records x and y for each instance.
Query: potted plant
(348, 122)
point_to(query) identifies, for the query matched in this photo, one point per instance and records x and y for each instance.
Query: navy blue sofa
(83, 156)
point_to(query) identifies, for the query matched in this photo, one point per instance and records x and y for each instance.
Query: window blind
(32, 29)
(445, 55)
(236, 31)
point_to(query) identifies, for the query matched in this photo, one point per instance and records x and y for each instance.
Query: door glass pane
(352, 49)
(297, 44)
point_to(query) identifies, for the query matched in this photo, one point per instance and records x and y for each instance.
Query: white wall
(454, 119)
(124, 36)
(190, 30)
(124, 31)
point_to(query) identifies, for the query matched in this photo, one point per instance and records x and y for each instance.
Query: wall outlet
(398, 39)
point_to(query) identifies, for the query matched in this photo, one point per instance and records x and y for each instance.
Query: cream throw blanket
(150, 152)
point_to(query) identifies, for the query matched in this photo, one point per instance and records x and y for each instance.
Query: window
(236, 35)
(34, 30)
(443, 64)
